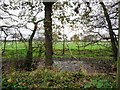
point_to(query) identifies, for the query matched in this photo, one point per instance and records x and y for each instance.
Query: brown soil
(91, 65)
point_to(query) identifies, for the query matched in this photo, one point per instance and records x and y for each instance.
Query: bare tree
(29, 57)
(104, 18)
(118, 60)
(27, 13)
(4, 47)
(112, 37)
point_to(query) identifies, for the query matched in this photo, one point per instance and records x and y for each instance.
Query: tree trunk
(113, 43)
(4, 46)
(29, 57)
(63, 51)
(48, 34)
(118, 61)
(16, 49)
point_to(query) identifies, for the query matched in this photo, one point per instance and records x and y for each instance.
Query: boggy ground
(88, 65)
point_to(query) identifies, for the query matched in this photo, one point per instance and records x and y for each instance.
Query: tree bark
(113, 43)
(118, 61)
(63, 50)
(4, 46)
(29, 57)
(48, 34)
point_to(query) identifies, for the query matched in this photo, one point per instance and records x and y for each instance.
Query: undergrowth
(46, 78)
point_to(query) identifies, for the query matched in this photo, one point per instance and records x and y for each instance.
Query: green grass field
(19, 50)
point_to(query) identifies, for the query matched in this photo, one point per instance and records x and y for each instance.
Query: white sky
(67, 30)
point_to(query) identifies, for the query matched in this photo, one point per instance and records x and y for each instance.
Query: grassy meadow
(72, 49)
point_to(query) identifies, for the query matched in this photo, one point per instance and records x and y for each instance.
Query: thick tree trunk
(48, 34)
(113, 43)
(29, 57)
(118, 61)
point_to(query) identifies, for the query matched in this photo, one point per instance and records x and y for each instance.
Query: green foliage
(46, 78)
(99, 83)
(9, 84)
(16, 81)
(12, 53)
(42, 78)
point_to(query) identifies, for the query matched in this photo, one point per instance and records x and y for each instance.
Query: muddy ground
(90, 65)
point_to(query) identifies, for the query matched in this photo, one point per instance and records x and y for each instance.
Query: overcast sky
(67, 30)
